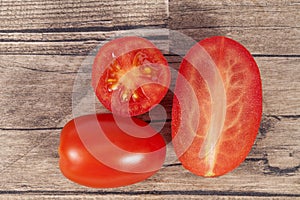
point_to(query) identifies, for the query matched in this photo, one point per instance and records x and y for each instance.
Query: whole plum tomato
(94, 151)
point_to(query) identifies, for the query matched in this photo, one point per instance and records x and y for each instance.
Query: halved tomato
(103, 152)
(217, 108)
(130, 76)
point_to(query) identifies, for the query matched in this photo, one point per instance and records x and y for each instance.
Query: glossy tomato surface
(94, 151)
(130, 75)
(215, 123)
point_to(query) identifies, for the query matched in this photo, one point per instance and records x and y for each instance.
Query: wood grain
(259, 40)
(264, 27)
(247, 13)
(45, 16)
(74, 43)
(87, 196)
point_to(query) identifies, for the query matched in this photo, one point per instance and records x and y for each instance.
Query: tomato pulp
(130, 76)
(213, 133)
(94, 151)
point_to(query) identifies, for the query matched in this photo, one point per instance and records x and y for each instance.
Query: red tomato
(215, 122)
(95, 152)
(130, 76)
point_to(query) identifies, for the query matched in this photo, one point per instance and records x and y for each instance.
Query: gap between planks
(150, 192)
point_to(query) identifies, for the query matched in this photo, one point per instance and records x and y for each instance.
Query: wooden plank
(136, 197)
(259, 40)
(37, 16)
(152, 33)
(56, 36)
(37, 90)
(247, 13)
(31, 166)
(74, 43)
(264, 27)
(46, 48)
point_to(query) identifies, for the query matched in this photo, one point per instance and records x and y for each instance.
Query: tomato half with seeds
(218, 106)
(95, 152)
(130, 75)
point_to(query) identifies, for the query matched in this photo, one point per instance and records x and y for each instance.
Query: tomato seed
(135, 96)
(111, 80)
(113, 87)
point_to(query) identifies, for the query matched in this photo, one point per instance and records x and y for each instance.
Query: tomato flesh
(216, 150)
(130, 75)
(118, 159)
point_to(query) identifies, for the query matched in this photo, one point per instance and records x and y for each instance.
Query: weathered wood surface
(270, 41)
(48, 16)
(137, 196)
(265, 27)
(44, 43)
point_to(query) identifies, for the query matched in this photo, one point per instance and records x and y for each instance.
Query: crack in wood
(84, 29)
(276, 55)
(150, 192)
(31, 129)
(244, 27)
(279, 117)
(172, 165)
(90, 39)
(52, 41)
(51, 71)
(290, 116)
(254, 55)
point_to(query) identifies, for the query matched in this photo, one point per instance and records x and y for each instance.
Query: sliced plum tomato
(130, 76)
(215, 123)
(94, 151)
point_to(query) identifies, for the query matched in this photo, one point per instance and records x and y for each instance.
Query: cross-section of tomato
(218, 106)
(130, 75)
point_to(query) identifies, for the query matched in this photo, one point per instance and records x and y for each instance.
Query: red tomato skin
(80, 166)
(242, 118)
(123, 51)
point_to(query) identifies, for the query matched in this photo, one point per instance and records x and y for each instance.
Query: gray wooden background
(43, 43)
